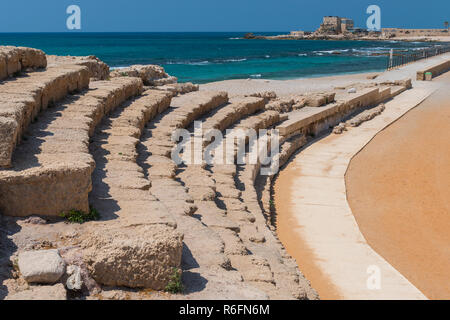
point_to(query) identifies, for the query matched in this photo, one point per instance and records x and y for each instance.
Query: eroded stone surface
(43, 266)
(138, 257)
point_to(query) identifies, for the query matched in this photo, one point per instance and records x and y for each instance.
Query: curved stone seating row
(204, 248)
(220, 208)
(237, 108)
(121, 195)
(256, 189)
(264, 268)
(315, 121)
(288, 146)
(16, 59)
(310, 120)
(247, 126)
(51, 170)
(22, 98)
(182, 112)
(98, 70)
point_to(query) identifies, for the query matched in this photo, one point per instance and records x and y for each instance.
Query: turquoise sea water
(205, 57)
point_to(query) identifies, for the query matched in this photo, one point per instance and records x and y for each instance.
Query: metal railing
(396, 60)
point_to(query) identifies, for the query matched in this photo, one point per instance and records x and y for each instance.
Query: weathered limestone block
(407, 83)
(253, 268)
(366, 116)
(340, 128)
(17, 59)
(179, 88)
(43, 266)
(233, 244)
(47, 191)
(151, 75)
(3, 67)
(12, 60)
(320, 99)
(98, 70)
(8, 137)
(32, 58)
(137, 257)
(266, 95)
(281, 105)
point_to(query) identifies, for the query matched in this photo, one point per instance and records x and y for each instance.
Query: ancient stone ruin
(75, 137)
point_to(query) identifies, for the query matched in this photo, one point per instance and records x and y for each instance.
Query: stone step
(238, 108)
(22, 98)
(51, 170)
(220, 208)
(252, 247)
(17, 59)
(121, 195)
(243, 131)
(310, 120)
(98, 70)
(114, 148)
(189, 196)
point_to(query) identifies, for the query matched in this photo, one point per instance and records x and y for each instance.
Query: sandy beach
(399, 190)
(287, 87)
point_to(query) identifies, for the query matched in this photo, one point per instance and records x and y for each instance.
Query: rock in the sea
(74, 282)
(41, 266)
(56, 292)
(139, 257)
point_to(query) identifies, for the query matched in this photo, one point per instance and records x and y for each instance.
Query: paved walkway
(410, 70)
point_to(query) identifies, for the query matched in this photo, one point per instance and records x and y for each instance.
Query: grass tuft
(175, 284)
(77, 216)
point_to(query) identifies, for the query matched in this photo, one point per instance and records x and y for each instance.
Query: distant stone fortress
(334, 27)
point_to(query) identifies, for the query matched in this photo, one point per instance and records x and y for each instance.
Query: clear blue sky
(214, 15)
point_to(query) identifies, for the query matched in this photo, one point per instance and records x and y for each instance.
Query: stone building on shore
(335, 25)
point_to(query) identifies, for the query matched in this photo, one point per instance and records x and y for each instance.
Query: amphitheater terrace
(77, 139)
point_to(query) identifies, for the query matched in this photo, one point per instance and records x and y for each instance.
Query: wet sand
(398, 188)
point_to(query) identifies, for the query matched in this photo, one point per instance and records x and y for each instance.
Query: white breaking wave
(235, 60)
(193, 63)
